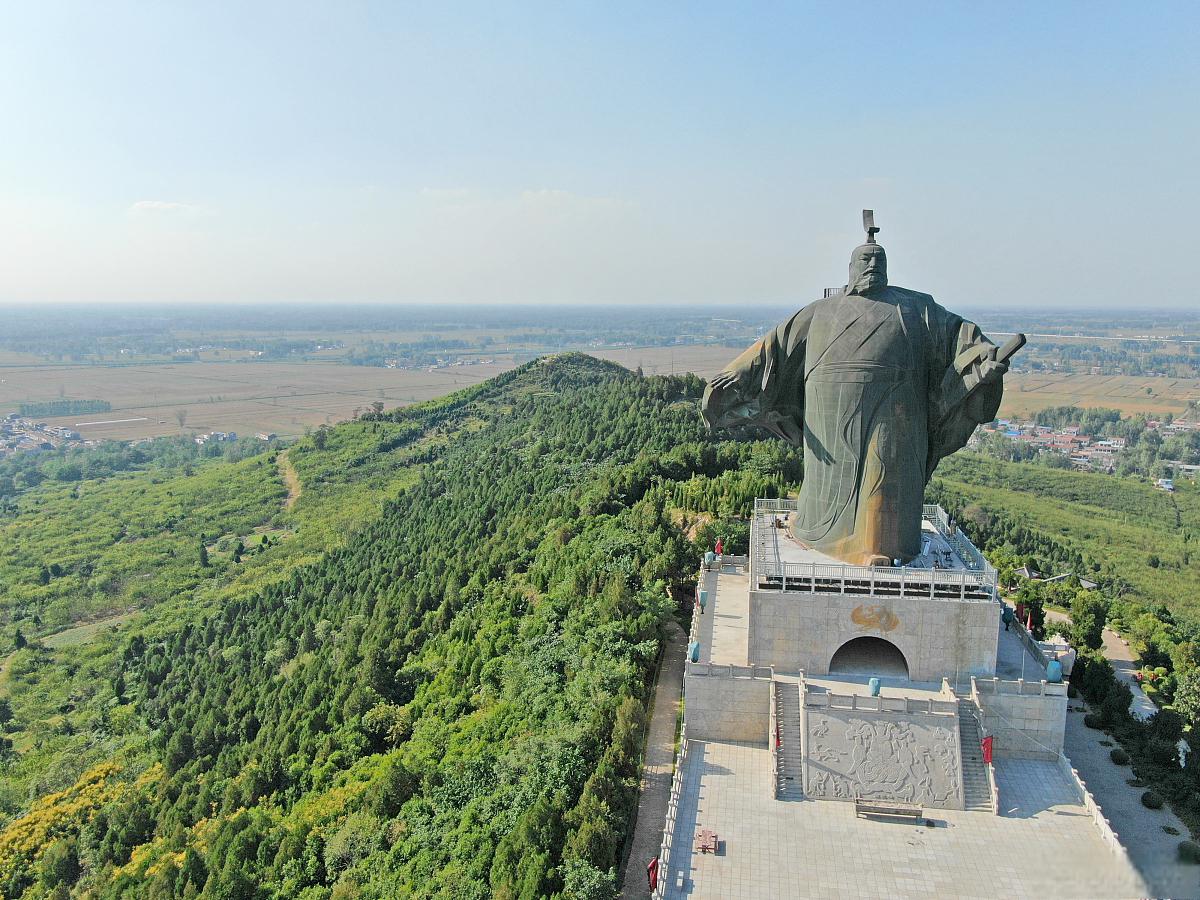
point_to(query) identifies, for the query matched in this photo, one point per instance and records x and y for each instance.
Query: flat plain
(246, 397)
(1027, 392)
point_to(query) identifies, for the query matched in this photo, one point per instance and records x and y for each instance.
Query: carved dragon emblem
(874, 617)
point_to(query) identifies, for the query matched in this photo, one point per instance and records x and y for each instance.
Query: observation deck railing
(976, 581)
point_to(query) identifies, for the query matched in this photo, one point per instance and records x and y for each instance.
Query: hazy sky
(644, 152)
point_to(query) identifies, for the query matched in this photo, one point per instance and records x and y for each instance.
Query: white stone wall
(939, 638)
(721, 707)
(1027, 724)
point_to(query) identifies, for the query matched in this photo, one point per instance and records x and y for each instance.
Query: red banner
(986, 743)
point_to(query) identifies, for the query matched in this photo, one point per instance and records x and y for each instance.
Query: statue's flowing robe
(862, 382)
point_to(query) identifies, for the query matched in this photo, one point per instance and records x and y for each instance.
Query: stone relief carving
(911, 758)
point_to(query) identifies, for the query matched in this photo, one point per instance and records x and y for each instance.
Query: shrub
(1115, 706)
(1161, 752)
(1166, 725)
(1151, 800)
(1072, 692)
(1091, 720)
(1189, 852)
(1119, 756)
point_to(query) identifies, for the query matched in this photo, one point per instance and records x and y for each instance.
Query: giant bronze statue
(877, 383)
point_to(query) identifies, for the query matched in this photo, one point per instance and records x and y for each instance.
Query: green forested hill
(1120, 530)
(447, 703)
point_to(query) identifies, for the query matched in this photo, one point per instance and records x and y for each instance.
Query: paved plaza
(1043, 845)
(725, 623)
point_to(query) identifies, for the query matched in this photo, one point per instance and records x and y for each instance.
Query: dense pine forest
(447, 701)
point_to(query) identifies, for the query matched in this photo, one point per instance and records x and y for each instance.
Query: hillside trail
(658, 767)
(288, 472)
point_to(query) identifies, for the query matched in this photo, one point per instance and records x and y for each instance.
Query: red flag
(986, 743)
(652, 874)
(720, 547)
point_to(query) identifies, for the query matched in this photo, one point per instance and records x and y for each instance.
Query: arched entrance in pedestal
(869, 656)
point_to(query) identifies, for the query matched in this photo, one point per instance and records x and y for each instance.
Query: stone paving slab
(1047, 846)
(725, 624)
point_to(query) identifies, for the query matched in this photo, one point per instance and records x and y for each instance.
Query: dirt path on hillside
(288, 472)
(658, 767)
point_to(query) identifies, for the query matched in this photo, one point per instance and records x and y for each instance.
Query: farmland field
(228, 396)
(283, 397)
(705, 361)
(1027, 392)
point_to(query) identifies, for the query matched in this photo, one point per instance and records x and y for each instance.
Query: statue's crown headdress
(869, 225)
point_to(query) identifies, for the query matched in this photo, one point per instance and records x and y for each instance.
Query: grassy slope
(148, 523)
(1118, 522)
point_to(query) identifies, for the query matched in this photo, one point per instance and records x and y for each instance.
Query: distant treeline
(63, 407)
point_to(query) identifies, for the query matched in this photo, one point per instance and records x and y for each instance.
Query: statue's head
(868, 269)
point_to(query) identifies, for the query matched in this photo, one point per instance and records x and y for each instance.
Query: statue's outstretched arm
(764, 386)
(969, 390)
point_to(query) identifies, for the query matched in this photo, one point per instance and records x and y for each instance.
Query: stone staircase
(976, 791)
(791, 760)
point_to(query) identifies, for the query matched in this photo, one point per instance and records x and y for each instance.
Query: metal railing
(977, 581)
(874, 581)
(960, 543)
(1027, 640)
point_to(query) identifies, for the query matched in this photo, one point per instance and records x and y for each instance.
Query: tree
(583, 881)
(19, 640)
(6, 711)
(59, 864)
(1187, 695)
(1088, 615)
(203, 553)
(1031, 595)
(181, 416)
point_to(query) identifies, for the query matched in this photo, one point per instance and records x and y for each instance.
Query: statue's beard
(867, 281)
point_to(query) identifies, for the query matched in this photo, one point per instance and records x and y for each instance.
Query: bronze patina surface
(877, 384)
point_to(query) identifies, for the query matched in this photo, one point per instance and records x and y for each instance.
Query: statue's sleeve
(954, 409)
(764, 386)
